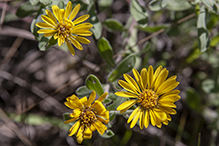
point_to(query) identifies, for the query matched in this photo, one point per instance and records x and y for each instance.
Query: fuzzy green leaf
(106, 51)
(97, 27)
(139, 13)
(203, 37)
(113, 25)
(93, 83)
(26, 9)
(125, 66)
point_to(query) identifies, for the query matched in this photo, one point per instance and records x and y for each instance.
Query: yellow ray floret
(153, 94)
(64, 29)
(88, 115)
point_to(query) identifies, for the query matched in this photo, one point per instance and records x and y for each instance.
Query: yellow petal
(44, 25)
(150, 77)
(168, 87)
(81, 32)
(48, 34)
(56, 12)
(81, 19)
(59, 41)
(91, 98)
(131, 82)
(146, 119)
(71, 120)
(82, 39)
(84, 26)
(46, 31)
(80, 134)
(127, 86)
(161, 78)
(167, 104)
(98, 107)
(51, 16)
(100, 127)
(76, 44)
(83, 101)
(141, 119)
(172, 92)
(144, 77)
(104, 116)
(133, 114)
(169, 98)
(103, 119)
(126, 104)
(68, 9)
(138, 79)
(135, 120)
(160, 114)
(48, 20)
(56, 36)
(87, 131)
(74, 128)
(102, 97)
(168, 110)
(152, 117)
(73, 102)
(70, 48)
(157, 72)
(74, 12)
(126, 94)
(62, 13)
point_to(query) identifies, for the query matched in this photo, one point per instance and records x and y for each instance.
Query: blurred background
(34, 83)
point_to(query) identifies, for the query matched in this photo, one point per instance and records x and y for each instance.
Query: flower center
(87, 117)
(63, 30)
(148, 99)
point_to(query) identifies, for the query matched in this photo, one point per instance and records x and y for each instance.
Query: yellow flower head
(61, 26)
(154, 95)
(88, 116)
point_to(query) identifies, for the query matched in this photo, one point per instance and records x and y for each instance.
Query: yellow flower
(88, 116)
(61, 26)
(154, 95)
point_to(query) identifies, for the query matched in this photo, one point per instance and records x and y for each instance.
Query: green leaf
(152, 29)
(178, 5)
(208, 3)
(112, 116)
(156, 5)
(34, 2)
(116, 103)
(214, 41)
(104, 3)
(113, 25)
(108, 134)
(26, 9)
(83, 91)
(107, 101)
(125, 66)
(97, 27)
(46, 43)
(106, 51)
(46, 2)
(203, 37)
(139, 13)
(93, 83)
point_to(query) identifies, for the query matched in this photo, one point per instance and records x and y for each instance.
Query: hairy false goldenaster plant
(61, 26)
(88, 115)
(153, 94)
